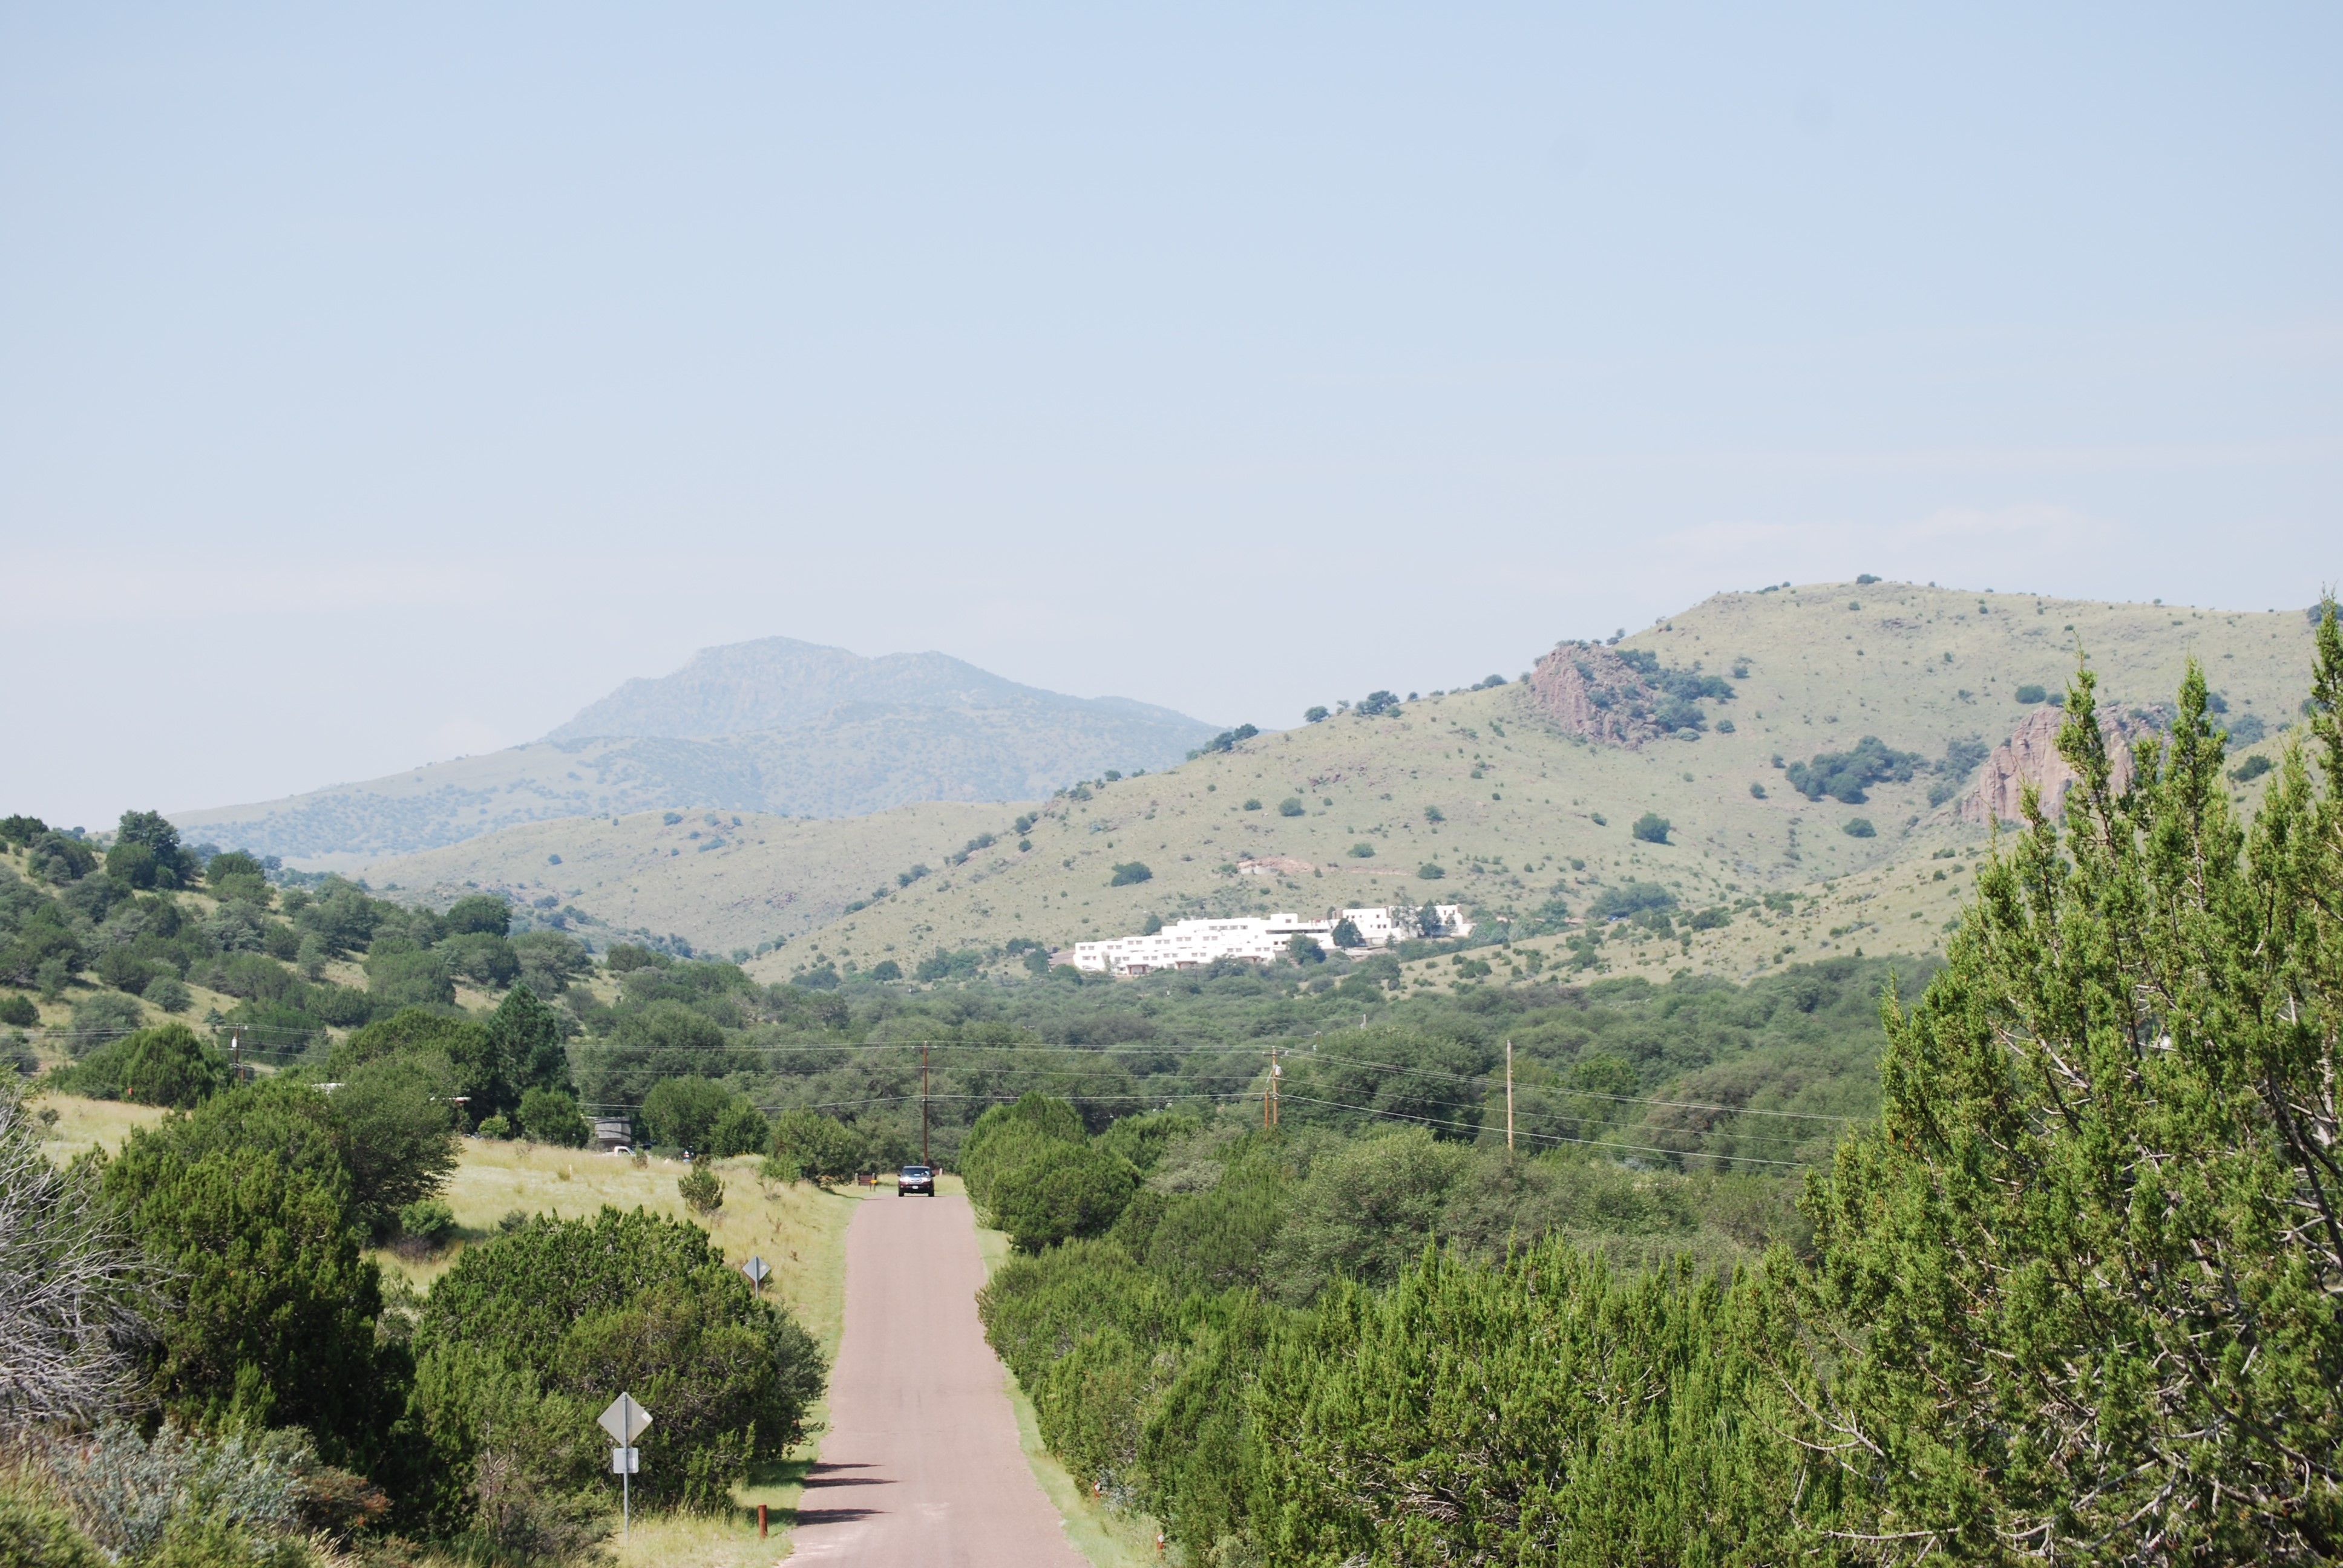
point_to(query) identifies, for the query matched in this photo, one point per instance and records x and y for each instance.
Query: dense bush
(661, 1038)
(100, 1018)
(428, 1221)
(487, 1062)
(397, 1119)
(257, 1497)
(550, 1116)
(1652, 828)
(820, 1147)
(1630, 899)
(701, 1190)
(247, 1213)
(146, 853)
(168, 1065)
(740, 1129)
(37, 1534)
(2075, 1241)
(479, 914)
(1846, 775)
(522, 1343)
(680, 1113)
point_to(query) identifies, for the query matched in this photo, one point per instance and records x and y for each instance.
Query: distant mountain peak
(781, 683)
(775, 725)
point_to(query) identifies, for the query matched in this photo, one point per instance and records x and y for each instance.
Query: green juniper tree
(2081, 1293)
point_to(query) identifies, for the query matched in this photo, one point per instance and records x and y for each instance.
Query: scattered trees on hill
(1226, 740)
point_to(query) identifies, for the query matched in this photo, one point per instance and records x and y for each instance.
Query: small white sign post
(625, 1420)
(757, 1271)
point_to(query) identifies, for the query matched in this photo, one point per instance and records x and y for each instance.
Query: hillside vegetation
(1530, 813)
(1533, 822)
(2067, 1297)
(1287, 1235)
(724, 881)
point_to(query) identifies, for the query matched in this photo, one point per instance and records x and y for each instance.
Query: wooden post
(1509, 1097)
(760, 1521)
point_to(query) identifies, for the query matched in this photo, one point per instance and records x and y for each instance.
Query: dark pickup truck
(915, 1179)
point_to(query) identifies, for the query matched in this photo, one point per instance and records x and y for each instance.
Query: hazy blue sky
(381, 382)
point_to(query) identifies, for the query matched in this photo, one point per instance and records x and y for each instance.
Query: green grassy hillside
(724, 881)
(1532, 813)
(1527, 812)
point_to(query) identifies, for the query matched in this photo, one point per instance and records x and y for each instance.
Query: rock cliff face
(2030, 756)
(1590, 690)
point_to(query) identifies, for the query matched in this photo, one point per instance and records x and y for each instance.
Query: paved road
(920, 1467)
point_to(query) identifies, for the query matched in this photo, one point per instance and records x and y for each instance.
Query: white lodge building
(1193, 944)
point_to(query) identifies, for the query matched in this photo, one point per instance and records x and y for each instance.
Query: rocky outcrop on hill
(2030, 756)
(1621, 698)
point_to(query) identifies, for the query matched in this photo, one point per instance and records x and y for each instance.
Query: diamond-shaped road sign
(756, 1270)
(624, 1420)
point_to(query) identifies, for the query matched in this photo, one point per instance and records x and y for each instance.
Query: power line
(1551, 1137)
(1077, 1051)
(1259, 1046)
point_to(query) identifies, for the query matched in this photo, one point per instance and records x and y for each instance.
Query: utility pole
(923, 1105)
(234, 1056)
(1269, 1106)
(1509, 1097)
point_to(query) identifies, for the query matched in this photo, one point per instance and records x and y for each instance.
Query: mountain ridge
(776, 726)
(780, 683)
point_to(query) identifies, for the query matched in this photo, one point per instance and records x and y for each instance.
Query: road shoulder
(1106, 1537)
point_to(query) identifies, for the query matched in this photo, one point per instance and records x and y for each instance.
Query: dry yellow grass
(80, 1123)
(773, 877)
(798, 1228)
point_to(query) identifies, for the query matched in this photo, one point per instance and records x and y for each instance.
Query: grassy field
(1105, 1536)
(82, 1123)
(768, 877)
